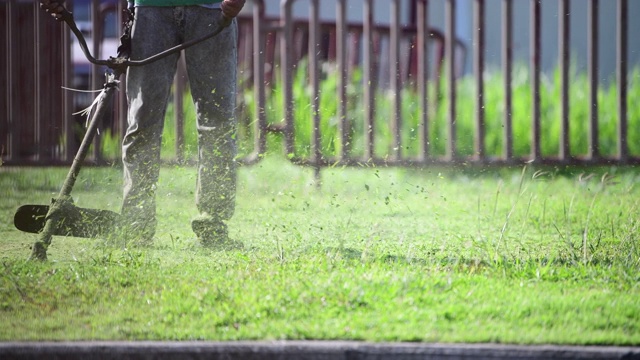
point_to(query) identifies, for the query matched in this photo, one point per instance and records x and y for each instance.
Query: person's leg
(212, 67)
(148, 89)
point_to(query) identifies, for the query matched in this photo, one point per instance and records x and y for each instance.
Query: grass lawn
(434, 255)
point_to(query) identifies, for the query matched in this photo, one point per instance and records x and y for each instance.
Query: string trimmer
(62, 217)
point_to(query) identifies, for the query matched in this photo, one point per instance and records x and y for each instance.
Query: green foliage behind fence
(494, 115)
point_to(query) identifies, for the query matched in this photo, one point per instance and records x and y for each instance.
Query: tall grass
(465, 104)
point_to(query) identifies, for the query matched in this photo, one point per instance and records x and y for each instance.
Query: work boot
(213, 234)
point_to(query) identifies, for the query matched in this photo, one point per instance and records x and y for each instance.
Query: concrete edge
(312, 350)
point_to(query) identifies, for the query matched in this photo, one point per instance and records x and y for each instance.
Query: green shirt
(175, 2)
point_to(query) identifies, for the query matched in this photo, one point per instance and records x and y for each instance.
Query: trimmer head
(75, 221)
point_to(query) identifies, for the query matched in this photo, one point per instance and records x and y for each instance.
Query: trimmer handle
(120, 64)
(60, 15)
(66, 16)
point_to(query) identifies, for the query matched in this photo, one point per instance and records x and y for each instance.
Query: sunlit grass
(439, 255)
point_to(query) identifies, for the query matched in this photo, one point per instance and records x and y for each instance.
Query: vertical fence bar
(43, 142)
(6, 86)
(13, 126)
(535, 79)
(19, 124)
(50, 71)
(396, 86)
(314, 77)
(593, 29)
(97, 26)
(563, 58)
(621, 49)
(178, 105)
(341, 55)
(368, 81)
(423, 75)
(67, 108)
(286, 64)
(450, 45)
(37, 103)
(478, 63)
(260, 125)
(123, 108)
(70, 142)
(507, 63)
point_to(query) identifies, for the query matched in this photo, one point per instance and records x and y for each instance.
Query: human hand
(54, 7)
(230, 8)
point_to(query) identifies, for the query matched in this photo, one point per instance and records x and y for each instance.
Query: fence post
(178, 106)
(623, 147)
(535, 79)
(286, 68)
(13, 126)
(314, 77)
(422, 38)
(37, 101)
(507, 63)
(396, 86)
(368, 82)
(341, 55)
(594, 145)
(450, 51)
(563, 59)
(123, 106)
(260, 127)
(478, 62)
(96, 77)
(67, 97)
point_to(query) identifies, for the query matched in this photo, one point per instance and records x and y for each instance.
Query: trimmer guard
(76, 222)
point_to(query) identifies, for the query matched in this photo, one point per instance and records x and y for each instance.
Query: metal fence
(420, 35)
(39, 126)
(394, 56)
(33, 68)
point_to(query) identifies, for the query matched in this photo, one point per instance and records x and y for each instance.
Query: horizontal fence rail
(349, 89)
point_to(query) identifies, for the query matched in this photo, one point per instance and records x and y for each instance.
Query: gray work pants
(211, 67)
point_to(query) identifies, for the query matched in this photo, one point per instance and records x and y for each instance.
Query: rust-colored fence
(401, 52)
(32, 102)
(419, 35)
(278, 44)
(39, 126)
